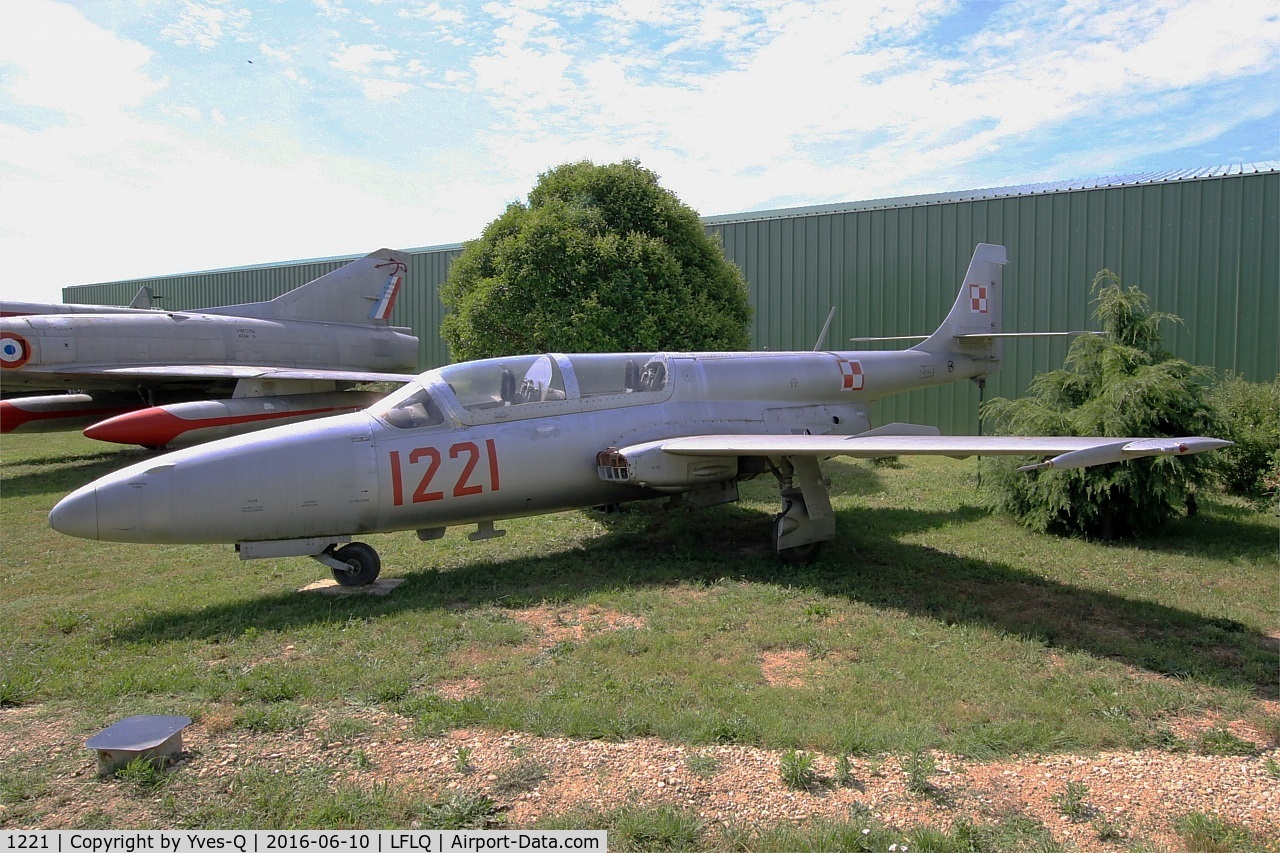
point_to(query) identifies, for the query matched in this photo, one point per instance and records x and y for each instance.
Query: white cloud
(359, 58)
(281, 56)
(334, 10)
(206, 25)
(56, 79)
(830, 75)
(135, 197)
(383, 90)
(431, 12)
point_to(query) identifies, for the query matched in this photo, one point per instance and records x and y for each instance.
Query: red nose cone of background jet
(189, 423)
(148, 427)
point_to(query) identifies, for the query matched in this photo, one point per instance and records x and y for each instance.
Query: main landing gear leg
(807, 519)
(355, 564)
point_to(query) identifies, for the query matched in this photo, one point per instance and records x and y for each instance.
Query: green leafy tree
(1120, 383)
(601, 259)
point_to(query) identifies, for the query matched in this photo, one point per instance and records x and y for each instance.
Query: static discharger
(149, 736)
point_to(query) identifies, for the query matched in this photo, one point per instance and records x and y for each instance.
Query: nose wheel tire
(363, 565)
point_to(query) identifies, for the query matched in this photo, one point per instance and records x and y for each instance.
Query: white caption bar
(291, 841)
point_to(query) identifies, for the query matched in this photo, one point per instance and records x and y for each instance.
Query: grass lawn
(927, 624)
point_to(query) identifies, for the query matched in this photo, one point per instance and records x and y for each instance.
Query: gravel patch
(1137, 795)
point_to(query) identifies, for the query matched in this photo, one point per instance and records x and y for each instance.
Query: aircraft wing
(1067, 451)
(226, 371)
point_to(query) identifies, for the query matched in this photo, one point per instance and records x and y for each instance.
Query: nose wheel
(354, 564)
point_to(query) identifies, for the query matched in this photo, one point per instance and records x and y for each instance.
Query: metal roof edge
(444, 247)
(1075, 185)
(957, 196)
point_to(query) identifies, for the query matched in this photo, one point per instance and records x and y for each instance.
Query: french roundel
(14, 350)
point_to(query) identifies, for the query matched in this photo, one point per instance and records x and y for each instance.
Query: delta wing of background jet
(477, 442)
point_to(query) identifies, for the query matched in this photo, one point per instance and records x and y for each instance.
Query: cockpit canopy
(530, 386)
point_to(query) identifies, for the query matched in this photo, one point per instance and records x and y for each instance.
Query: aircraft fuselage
(473, 456)
(56, 352)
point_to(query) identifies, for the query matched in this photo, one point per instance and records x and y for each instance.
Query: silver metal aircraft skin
(477, 442)
(141, 301)
(169, 378)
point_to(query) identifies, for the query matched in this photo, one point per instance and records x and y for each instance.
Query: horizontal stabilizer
(893, 338)
(1026, 335)
(897, 428)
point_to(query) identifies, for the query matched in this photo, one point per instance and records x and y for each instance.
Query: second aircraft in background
(167, 378)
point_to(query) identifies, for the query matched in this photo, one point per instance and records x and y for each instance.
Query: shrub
(1120, 383)
(1249, 413)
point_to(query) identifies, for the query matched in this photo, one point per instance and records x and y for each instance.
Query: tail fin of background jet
(143, 298)
(364, 292)
(973, 327)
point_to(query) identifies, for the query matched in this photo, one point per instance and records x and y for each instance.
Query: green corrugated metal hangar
(1202, 244)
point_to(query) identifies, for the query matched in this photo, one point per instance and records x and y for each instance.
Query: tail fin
(143, 298)
(364, 291)
(973, 327)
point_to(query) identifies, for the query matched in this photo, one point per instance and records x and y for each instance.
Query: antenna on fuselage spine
(822, 336)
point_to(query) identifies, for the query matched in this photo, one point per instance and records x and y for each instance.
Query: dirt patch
(459, 688)
(552, 625)
(798, 667)
(786, 668)
(1192, 727)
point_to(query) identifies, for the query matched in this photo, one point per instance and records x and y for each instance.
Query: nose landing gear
(354, 564)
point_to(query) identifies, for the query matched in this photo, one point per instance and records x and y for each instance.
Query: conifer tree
(1120, 383)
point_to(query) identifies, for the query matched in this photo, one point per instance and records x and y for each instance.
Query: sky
(161, 136)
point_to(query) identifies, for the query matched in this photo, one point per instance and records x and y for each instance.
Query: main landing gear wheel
(363, 565)
(801, 555)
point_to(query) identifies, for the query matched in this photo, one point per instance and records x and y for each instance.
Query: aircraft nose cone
(77, 514)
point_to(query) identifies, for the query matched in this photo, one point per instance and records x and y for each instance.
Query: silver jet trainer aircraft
(155, 375)
(476, 442)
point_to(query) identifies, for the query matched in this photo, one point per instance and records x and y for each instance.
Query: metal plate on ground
(329, 586)
(143, 736)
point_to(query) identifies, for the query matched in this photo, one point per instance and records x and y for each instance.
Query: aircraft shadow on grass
(1227, 533)
(61, 474)
(867, 564)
